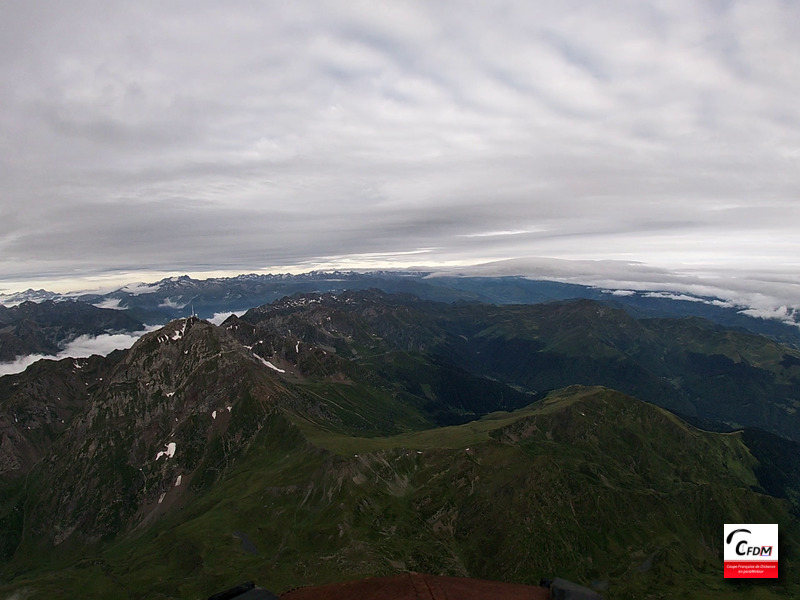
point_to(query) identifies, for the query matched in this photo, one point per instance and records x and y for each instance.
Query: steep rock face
(37, 406)
(168, 419)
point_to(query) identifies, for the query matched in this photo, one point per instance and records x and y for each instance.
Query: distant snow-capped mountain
(29, 295)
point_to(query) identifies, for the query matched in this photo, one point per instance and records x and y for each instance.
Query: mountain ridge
(299, 444)
(688, 366)
(174, 297)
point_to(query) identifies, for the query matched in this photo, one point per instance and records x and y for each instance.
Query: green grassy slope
(589, 484)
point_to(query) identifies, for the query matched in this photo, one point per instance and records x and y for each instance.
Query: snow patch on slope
(269, 364)
(169, 452)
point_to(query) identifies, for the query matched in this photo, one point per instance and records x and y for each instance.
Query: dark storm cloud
(247, 135)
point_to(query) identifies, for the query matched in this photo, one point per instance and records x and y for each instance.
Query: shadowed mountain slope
(45, 327)
(690, 366)
(298, 445)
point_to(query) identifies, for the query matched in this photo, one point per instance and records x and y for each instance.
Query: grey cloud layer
(245, 135)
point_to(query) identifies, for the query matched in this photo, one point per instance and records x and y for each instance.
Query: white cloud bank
(765, 293)
(111, 304)
(220, 317)
(80, 347)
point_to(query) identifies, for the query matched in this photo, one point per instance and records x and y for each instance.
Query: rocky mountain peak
(169, 418)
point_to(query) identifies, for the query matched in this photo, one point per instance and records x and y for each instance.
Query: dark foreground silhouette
(414, 586)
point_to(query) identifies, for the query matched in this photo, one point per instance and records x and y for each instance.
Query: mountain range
(336, 435)
(176, 297)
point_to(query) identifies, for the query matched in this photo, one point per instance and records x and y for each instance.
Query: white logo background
(761, 534)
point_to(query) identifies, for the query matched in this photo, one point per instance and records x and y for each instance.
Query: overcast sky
(171, 137)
